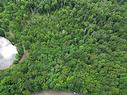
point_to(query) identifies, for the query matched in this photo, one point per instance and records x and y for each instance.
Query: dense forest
(73, 45)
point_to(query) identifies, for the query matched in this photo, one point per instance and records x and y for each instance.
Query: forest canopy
(74, 45)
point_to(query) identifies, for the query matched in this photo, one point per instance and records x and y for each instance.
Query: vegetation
(74, 45)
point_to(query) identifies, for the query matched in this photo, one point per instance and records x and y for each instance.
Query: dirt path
(55, 93)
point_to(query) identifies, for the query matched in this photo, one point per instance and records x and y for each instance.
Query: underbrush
(74, 45)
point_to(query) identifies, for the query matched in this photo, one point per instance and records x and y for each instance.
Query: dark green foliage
(74, 45)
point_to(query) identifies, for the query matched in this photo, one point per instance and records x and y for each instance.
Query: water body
(7, 53)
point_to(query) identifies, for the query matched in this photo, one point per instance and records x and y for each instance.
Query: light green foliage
(74, 45)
